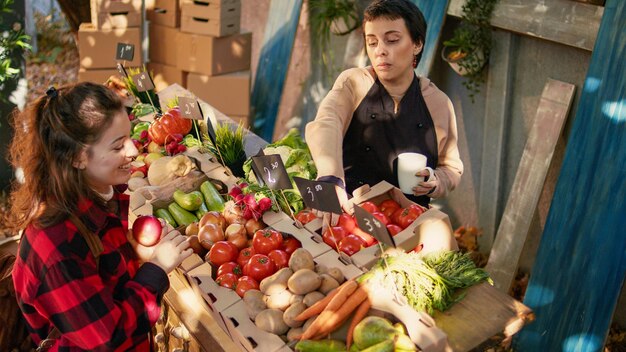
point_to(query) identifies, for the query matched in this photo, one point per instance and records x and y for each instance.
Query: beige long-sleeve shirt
(325, 134)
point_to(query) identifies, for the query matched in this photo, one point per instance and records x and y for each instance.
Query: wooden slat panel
(562, 21)
(531, 174)
(280, 32)
(496, 117)
(580, 266)
(435, 13)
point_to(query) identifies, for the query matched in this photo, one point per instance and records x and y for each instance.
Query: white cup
(408, 165)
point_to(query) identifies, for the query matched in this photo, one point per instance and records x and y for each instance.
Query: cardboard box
(96, 76)
(211, 18)
(107, 14)
(166, 75)
(229, 93)
(331, 259)
(165, 13)
(311, 241)
(214, 55)
(162, 44)
(97, 48)
(244, 120)
(246, 335)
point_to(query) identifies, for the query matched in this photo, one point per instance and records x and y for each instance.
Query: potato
(304, 281)
(321, 269)
(301, 259)
(254, 303)
(312, 297)
(279, 300)
(296, 299)
(271, 320)
(291, 313)
(294, 334)
(336, 274)
(277, 282)
(328, 284)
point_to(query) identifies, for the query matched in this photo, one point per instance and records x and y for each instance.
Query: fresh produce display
(298, 161)
(248, 203)
(147, 230)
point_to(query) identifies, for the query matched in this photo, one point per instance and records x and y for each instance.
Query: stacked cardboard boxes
(164, 23)
(216, 55)
(112, 22)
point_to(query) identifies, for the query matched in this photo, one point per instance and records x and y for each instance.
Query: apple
(152, 157)
(138, 166)
(147, 230)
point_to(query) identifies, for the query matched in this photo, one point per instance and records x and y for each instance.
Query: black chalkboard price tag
(125, 52)
(368, 223)
(271, 170)
(189, 108)
(143, 82)
(319, 195)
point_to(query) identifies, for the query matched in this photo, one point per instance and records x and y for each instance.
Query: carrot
(359, 314)
(320, 305)
(334, 319)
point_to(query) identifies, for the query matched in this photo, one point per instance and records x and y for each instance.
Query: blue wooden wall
(271, 73)
(579, 270)
(435, 12)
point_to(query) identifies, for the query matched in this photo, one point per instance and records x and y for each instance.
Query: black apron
(377, 135)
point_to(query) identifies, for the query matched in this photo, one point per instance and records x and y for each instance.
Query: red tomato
(244, 284)
(351, 244)
(369, 239)
(388, 206)
(245, 255)
(227, 280)
(266, 240)
(280, 258)
(381, 217)
(333, 235)
(393, 229)
(347, 222)
(167, 125)
(290, 244)
(223, 252)
(305, 216)
(230, 267)
(259, 267)
(404, 217)
(369, 206)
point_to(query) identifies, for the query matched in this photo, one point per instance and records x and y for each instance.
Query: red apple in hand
(147, 230)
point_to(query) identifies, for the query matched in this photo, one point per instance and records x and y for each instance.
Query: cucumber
(189, 201)
(202, 210)
(182, 216)
(212, 198)
(165, 215)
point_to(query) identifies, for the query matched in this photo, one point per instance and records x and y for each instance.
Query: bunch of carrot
(334, 309)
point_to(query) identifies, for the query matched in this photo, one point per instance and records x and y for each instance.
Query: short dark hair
(394, 9)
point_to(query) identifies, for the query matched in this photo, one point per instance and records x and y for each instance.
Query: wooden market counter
(483, 313)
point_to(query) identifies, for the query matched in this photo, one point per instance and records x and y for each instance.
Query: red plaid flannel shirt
(107, 308)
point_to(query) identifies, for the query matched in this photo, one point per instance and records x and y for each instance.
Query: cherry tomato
(369, 239)
(404, 217)
(280, 258)
(305, 216)
(381, 217)
(351, 244)
(393, 229)
(347, 222)
(259, 267)
(244, 284)
(244, 256)
(333, 235)
(227, 280)
(223, 252)
(369, 206)
(290, 244)
(266, 240)
(230, 267)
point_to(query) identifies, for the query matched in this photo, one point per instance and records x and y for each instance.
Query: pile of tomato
(242, 270)
(347, 237)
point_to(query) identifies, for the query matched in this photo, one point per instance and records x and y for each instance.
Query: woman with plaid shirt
(74, 147)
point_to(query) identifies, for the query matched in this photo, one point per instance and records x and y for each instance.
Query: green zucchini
(165, 215)
(212, 198)
(182, 216)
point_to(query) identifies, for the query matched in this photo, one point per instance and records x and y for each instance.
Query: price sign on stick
(189, 108)
(368, 223)
(143, 82)
(125, 52)
(121, 70)
(319, 195)
(271, 170)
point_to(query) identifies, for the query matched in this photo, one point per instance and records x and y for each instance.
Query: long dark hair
(50, 135)
(394, 9)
